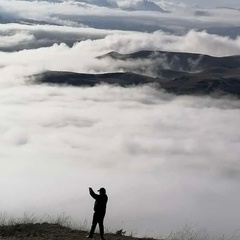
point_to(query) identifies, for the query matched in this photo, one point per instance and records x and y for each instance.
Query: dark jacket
(100, 203)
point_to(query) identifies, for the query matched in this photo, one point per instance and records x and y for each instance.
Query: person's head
(102, 191)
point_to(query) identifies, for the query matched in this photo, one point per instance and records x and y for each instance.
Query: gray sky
(211, 3)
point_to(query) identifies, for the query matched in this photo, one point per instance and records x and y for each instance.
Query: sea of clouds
(165, 161)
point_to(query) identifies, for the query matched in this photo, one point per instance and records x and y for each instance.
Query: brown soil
(48, 231)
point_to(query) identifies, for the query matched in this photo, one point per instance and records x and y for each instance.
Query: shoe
(89, 236)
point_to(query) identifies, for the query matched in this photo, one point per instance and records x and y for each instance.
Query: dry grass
(61, 227)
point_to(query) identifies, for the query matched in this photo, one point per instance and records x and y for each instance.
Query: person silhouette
(99, 211)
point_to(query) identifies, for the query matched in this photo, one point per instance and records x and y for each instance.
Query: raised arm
(92, 193)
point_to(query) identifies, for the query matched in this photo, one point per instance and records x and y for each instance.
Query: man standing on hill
(99, 211)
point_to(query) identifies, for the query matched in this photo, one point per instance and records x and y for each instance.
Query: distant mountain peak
(148, 5)
(144, 5)
(101, 3)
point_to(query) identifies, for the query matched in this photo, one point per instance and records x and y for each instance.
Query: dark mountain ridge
(180, 61)
(184, 73)
(122, 79)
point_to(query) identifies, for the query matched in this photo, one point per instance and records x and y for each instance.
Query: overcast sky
(212, 3)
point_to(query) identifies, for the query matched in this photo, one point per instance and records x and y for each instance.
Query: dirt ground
(48, 231)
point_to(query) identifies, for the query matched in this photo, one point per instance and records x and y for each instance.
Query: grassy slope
(43, 231)
(53, 231)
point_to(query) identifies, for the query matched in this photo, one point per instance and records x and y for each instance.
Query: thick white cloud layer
(164, 160)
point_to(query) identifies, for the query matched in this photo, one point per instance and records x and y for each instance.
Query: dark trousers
(97, 219)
